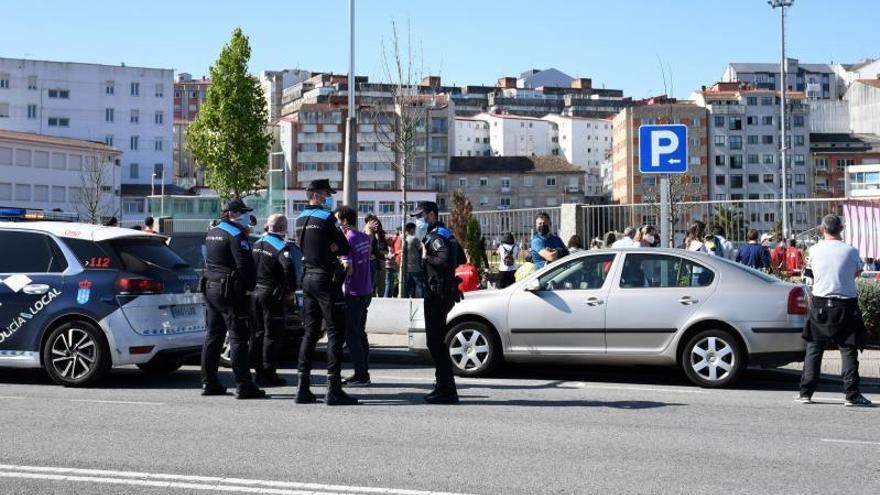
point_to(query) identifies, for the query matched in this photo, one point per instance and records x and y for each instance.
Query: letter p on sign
(663, 149)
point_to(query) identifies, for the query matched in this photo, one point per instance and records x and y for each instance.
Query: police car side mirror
(533, 285)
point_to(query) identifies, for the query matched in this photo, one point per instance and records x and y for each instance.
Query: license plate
(184, 311)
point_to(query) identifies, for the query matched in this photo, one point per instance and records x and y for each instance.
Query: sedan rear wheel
(75, 355)
(474, 349)
(713, 358)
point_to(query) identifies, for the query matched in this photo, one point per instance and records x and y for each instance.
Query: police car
(78, 299)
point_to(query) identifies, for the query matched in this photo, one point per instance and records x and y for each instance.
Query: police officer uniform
(442, 256)
(228, 276)
(321, 243)
(276, 280)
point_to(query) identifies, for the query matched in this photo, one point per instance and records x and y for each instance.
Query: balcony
(504, 190)
(572, 189)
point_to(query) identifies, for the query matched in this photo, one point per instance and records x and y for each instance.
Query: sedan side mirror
(533, 285)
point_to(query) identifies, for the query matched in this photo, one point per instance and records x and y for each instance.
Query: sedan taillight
(138, 285)
(797, 301)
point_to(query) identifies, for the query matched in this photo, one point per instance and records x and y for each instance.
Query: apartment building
(630, 186)
(844, 165)
(129, 108)
(189, 95)
(471, 137)
(819, 81)
(47, 172)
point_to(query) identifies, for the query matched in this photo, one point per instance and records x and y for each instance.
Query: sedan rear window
(141, 255)
(663, 270)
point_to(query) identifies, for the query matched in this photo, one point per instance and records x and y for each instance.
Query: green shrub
(869, 302)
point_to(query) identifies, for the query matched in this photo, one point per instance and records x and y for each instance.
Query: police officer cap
(236, 205)
(423, 207)
(321, 185)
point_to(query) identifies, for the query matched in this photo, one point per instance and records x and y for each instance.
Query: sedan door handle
(687, 300)
(594, 301)
(35, 289)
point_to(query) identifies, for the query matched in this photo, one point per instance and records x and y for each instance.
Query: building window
(32, 111)
(59, 122)
(736, 142)
(135, 89)
(720, 160)
(799, 159)
(331, 146)
(551, 181)
(736, 181)
(768, 159)
(484, 181)
(4, 110)
(720, 197)
(768, 178)
(821, 163)
(109, 88)
(159, 118)
(799, 140)
(800, 178)
(59, 93)
(767, 120)
(159, 170)
(767, 139)
(719, 121)
(484, 200)
(766, 101)
(798, 120)
(751, 100)
(386, 207)
(32, 83)
(719, 140)
(157, 145)
(108, 115)
(134, 171)
(4, 81)
(648, 180)
(734, 124)
(720, 180)
(528, 181)
(505, 182)
(22, 192)
(108, 140)
(133, 143)
(736, 161)
(754, 159)
(462, 182)
(754, 178)
(160, 91)
(752, 139)
(135, 116)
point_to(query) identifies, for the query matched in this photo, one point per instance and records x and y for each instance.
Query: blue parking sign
(663, 149)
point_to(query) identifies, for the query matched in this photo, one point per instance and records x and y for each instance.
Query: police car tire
(161, 367)
(100, 365)
(486, 339)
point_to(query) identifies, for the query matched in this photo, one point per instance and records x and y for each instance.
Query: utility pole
(782, 4)
(349, 184)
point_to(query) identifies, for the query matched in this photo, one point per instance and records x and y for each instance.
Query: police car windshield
(139, 254)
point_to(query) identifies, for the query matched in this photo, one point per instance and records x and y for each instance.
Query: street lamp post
(782, 4)
(349, 184)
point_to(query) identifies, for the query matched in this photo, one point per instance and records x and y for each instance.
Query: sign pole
(665, 234)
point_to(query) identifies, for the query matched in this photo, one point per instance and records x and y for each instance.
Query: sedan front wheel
(474, 349)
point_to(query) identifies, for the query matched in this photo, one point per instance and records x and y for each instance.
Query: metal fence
(736, 217)
(519, 222)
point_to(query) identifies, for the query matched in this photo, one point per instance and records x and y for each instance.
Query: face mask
(421, 228)
(241, 218)
(328, 203)
(544, 230)
(649, 239)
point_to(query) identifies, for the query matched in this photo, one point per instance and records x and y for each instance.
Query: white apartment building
(130, 108)
(584, 142)
(515, 135)
(471, 137)
(48, 173)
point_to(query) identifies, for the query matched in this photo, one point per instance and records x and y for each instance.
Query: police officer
(228, 276)
(441, 254)
(276, 280)
(322, 243)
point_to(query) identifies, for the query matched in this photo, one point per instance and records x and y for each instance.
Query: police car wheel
(713, 358)
(161, 367)
(474, 348)
(76, 355)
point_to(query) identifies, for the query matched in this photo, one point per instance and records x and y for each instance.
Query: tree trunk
(402, 268)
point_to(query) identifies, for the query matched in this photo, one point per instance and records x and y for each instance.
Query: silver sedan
(708, 315)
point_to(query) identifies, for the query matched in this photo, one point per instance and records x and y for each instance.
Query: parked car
(707, 315)
(78, 299)
(191, 247)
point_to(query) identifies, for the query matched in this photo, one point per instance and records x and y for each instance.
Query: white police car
(77, 299)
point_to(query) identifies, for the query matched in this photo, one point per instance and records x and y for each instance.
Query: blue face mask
(328, 203)
(421, 228)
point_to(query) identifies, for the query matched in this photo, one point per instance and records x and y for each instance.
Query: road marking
(12, 397)
(857, 442)
(131, 402)
(181, 481)
(539, 383)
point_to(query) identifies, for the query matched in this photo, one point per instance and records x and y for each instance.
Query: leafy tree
(229, 136)
(732, 220)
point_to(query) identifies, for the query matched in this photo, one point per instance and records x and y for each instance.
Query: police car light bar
(11, 214)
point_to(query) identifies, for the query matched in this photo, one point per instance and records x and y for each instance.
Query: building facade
(818, 81)
(48, 173)
(844, 165)
(129, 108)
(189, 95)
(628, 184)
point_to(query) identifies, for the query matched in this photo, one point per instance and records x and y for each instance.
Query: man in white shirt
(725, 245)
(627, 241)
(834, 312)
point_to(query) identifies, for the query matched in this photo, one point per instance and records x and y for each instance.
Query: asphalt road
(530, 430)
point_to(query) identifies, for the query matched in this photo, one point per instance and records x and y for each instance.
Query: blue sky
(615, 42)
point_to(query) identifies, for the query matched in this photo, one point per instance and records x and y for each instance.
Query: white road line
(645, 389)
(12, 397)
(525, 383)
(857, 442)
(131, 402)
(194, 482)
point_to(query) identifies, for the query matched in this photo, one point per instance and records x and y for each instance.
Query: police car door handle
(687, 300)
(594, 301)
(36, 289)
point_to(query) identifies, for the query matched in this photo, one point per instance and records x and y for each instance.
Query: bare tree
(680, 187)
(400, 119)
(97, 180)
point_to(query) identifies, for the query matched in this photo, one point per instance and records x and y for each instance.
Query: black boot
(248, 390)
(303, 394)
(335, 395)
(442, 394)
(269, 378)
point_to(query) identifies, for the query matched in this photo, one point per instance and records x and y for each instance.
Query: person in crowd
(441, 254)
(469, 275)
(358, 292)
(834, 315)
(869, 265)
(546, 246)
(323, 306)
(148, 225)
(627, 240)
(508, 253)
(596, 243)
(610, 239)
(753, 254)
(276, 281)
(574, 244)
(723, 247)
(777, 253)
(415, 276)
(647, 236)
(526, 269)
(694, 241)
(378, 250)
(229, 274)
(138, 227)
(112, 222)
(391, 268)
(794, 258)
